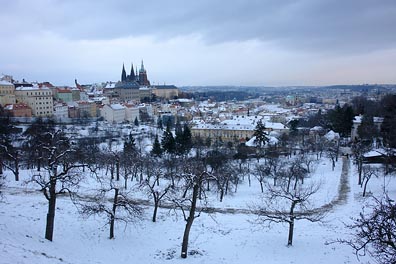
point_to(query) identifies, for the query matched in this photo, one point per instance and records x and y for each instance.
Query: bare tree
(10, 153)
(309, 162)
(293, 171)
(154, 188)
(12, 159)
(99, 205)
(60, 174)
(262, 172)
(332, 154)
(374, 231)
(285, 205)
(358, 150)
(368, 173)
(195, 175)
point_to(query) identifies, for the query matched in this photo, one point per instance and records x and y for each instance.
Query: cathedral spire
(132, 76)
(123, 74)
(142, 67)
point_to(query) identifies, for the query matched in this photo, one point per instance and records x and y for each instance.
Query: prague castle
(137, 87)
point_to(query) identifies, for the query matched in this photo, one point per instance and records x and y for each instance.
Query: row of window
(6, 92)
(44, 113)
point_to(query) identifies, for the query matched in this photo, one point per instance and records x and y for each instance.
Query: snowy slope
(215, 238)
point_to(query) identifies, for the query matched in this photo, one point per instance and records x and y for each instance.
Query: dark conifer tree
(260, 134)
(388, 127)
(159, 123)
(367, 130)
(187, 138)
(157, 150)
(168, 141)
(129, 144)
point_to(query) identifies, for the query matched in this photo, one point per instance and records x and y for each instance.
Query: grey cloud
(311, 25)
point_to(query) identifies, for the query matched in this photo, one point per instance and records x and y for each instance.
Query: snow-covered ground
(215, 238)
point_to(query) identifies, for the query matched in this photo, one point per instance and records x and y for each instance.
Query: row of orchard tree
(179, 172)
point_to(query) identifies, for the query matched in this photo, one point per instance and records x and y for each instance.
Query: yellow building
(239, 128)
(7, 93)
(39, 99)
(165, 91)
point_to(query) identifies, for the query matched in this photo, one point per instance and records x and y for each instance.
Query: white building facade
(113, 113)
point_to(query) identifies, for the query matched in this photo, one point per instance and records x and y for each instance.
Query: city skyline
(263, 43)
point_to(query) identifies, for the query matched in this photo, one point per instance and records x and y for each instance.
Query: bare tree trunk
(112, 217)
(291, 224)
(118, 169)
(221, 194)
(365, 187)
(156, 204)
(190, 221)
(49, 229)
(291, 230)
(16, 164)
(360, 168)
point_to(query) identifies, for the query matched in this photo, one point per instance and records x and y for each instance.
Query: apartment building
(38, 99)
(7, 95)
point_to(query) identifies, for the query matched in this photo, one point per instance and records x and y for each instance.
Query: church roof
(127, 85)
(164, 86)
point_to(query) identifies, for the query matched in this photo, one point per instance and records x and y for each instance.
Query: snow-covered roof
(316, 128)
(358, 119)
(271, 141)
(239, 123)
(29, 88)
(331, 135)
(5, 83)
(117, 106)
(110, 86)
(374, 153)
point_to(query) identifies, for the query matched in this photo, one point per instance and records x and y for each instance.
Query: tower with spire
(140, 78)
(143, 76)
(131, 77)
(123, 74)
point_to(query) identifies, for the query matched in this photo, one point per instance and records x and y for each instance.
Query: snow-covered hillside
(215, 238)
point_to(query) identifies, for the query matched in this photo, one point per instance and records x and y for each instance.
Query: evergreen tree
(159, 123)
(157, 150)
(168, 141)
(129, 145)
(293, 126)
(367, 130)
(136, 122)
(260, 134)
(388, 127)
(340, 120)
(187, 138)
(179, 138)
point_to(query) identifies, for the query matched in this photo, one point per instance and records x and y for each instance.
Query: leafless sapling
(368, 172)
(284, 205)
(121, 208)
(154, 188)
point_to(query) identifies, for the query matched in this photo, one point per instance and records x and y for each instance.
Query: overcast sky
(200, 42)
